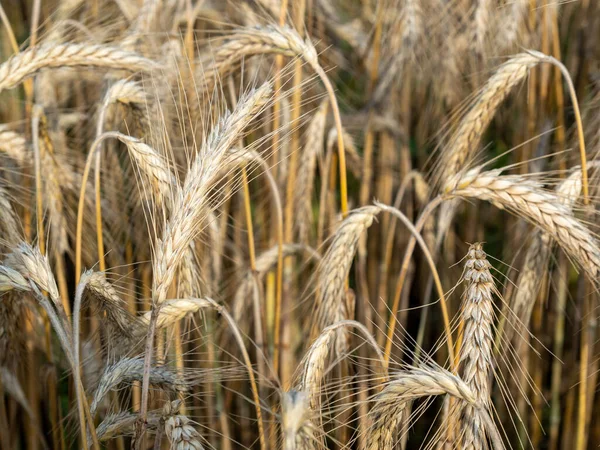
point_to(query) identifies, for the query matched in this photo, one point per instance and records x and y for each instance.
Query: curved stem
(578, 121)
(279, 282)
(99, 237)
(86, 173)
(415, 230)
(66, 341)
(340, 137)
(389, 245)
(238, 337)
(39, 208)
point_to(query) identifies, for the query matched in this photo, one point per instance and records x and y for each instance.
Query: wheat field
(299, 224)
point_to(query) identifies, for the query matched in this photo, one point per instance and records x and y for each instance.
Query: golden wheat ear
(525, 198)
(475, 357)
(52, 56)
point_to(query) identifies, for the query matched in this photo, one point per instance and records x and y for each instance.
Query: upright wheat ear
(475, 362)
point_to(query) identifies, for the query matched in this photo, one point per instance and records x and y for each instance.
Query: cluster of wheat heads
(209, 212)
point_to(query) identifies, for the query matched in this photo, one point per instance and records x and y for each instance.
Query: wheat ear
(295, 421)
(181, 434)
(281, 41)
(313, 365)
(128, 370)
(121, 423)
(334, 268)
(465, 140)
(475, 363)
(8, 220)
(389, 405)
(526, 198)
(14, 146)
(149, 162)
(535, 263)
(52, 55)
(315, 134)
(110, 302)
(32, 265)
(153, 317)
(171, 311)
(189, 205)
